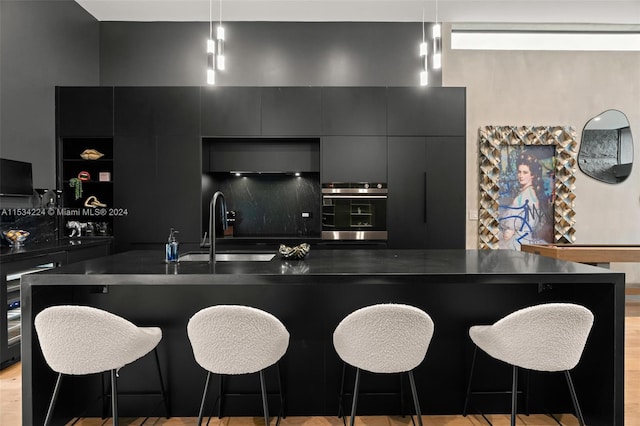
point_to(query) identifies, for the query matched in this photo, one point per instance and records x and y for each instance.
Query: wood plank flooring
(10, 401)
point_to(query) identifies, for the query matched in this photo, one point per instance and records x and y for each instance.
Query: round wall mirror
(606, 148)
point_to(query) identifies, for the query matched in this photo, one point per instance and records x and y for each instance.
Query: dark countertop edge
(44, 279)
(7, 254)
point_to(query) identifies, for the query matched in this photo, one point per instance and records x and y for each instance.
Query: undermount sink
(227, 257)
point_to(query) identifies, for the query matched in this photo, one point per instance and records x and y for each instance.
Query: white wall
(555, 88)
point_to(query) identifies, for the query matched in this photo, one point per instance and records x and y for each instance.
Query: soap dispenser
(171, 252)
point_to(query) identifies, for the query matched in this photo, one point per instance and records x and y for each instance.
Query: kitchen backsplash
(268, 205)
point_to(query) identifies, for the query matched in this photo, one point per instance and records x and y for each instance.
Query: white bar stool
(80, 340)
(549, 337)
(384, 338)
(232, 339)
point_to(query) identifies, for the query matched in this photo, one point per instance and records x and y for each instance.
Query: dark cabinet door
(156, 110)
(446, 189)
(354, 159)
(291, 111)
(84, 111)
(426, 204)
(157, 181)
(407, 202)
(230, 111)
(354, 111)
(432, 111)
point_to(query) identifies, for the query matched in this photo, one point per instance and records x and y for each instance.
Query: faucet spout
(212, 222)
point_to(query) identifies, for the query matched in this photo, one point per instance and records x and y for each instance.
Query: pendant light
(220, 65)
(424, 54)
(437, 42)
(215, 48)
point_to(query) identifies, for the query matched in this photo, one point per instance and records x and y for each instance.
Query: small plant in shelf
(76, 183)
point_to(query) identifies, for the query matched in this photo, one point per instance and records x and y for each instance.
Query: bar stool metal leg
(220, 395)
(415, 397)
(265, 405)
(165, 399)
(54, 397)
(356, 387)
(574, 398)
(283, 411)
(204, 397)
(114, 397)
(473, 365)
(514, 396)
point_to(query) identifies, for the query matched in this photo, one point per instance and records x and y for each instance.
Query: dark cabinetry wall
(426, 207)
(412, 138)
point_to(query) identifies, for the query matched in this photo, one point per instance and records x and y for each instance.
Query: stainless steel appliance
(354, 211)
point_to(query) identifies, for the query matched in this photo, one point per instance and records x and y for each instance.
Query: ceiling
(453, 11)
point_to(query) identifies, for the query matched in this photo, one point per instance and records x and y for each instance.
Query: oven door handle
(363, 196)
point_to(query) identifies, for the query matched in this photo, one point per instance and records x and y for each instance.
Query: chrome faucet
(212, 222)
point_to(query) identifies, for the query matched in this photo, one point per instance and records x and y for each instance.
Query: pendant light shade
(215, 48)
(437, 42)
(424, 54)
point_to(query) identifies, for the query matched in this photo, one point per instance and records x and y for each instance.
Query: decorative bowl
(295, 253)
(15, 237)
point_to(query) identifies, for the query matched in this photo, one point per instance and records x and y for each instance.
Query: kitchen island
(457, 288)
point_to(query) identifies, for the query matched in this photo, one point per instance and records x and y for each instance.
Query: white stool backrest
(547, 337)
(231, 339)
(85, 340)
(384, 338)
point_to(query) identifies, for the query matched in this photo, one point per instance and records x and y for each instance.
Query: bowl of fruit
(15, 237)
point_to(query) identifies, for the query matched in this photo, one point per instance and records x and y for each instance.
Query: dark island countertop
(142, 267)
(457, 288)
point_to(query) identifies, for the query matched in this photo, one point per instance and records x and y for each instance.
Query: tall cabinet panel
(426, 192)
(230, 111)
(354, 159)
(426, 111)
(406, 209)
(291, 111)
(354, 111)
(84, 111)
(158, 143)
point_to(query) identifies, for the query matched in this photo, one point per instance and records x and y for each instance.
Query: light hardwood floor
(10, 401)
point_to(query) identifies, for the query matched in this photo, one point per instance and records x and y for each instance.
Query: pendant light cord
(423, 24)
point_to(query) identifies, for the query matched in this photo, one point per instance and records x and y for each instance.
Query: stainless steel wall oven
(354, 211)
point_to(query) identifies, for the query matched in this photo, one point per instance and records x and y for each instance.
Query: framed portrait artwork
(527, 178)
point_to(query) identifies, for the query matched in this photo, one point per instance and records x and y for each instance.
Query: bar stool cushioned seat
(80, 340)
(548, 337)
(384, 338)
(233, 339)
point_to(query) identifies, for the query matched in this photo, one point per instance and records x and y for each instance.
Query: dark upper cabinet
(291, 111)
(427, 187)
(230, 111)
(354, 111)
(354, 159)
(426, 111)
(84, 111)
(157, 110)
(263, 154)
